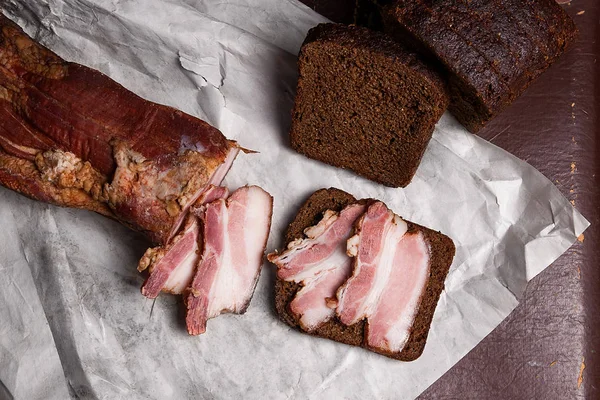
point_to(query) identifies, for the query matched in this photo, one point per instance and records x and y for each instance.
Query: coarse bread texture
(490, 50)
(365, 103)
(442, 253)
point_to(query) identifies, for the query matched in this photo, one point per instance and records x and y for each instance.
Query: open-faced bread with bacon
(341, 255)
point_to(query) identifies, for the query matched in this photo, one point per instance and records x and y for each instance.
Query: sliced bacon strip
(320, 263)
(391, 270)
(172, 266)
(390, 326)
(212, 189)
(235, 237)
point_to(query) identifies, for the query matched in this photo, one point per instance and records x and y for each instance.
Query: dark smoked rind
(442, 252)
(450, 32)
(365, 103)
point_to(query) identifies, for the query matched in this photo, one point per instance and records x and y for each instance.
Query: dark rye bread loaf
(442, 253)
(364, 103)
(490, 50)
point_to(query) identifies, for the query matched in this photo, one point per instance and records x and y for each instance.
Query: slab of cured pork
(71, 136)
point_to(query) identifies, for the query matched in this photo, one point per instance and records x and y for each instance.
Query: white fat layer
(234, 283)
(329, 217)
(182, 275)
(395, 229)
(399, 332)
(313, 317)
(352, 246)
(24, 149)
(337, 270)
(259, 207)
(223, 280)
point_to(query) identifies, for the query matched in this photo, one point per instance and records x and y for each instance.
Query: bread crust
(442, 253)
(365, 103)
(489, 50)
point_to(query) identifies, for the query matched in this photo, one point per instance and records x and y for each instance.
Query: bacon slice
(172, 266)
(391, 270)
(235, 237)
(320, 263)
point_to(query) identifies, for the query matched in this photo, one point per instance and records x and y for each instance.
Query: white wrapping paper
(72, 320)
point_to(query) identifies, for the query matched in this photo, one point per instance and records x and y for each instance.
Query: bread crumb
(571, 190)
(580, 377)
(581, 12)
(572, 104)
(553, 363)
(581, 238)
(578, 273)
(573, 203)
(573, 167)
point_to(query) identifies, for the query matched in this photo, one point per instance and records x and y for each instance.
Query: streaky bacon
(320, 263)
(390, 274)
(235, 237)
(172, 266)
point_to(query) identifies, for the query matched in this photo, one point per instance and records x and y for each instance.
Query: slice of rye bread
(442, 253)
(364, 103)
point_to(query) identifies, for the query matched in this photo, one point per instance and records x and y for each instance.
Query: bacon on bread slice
(392, 276)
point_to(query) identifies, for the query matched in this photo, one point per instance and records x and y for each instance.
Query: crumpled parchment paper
(72, 320)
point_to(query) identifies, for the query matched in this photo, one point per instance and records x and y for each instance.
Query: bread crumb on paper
(581, 12)
(580, 377)
(553, 363)
(581, 238)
